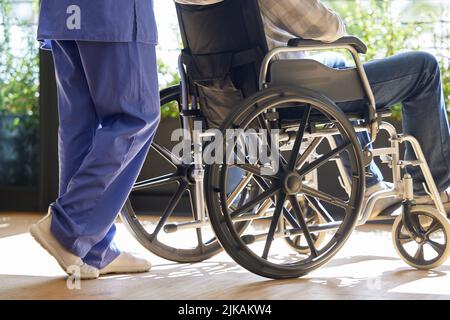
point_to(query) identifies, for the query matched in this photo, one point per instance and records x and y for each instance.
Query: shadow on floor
(220, 280)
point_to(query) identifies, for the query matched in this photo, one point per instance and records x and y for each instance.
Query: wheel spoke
(310, 149)
(156, 182)
(326, 197)
(303, 225)
(324, 159)
(435, 226)
(263, 184)
(298, 241)
(404, 239)
(299, 138)
(439, 248)
(419, 256)
(257, 200)
(274, 223)
(169, 209)
(165, 153)
(317, 206)
(263, 123)
(290, 218)
(241, 186)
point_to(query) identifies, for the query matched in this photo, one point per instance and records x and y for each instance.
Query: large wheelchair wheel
(164, 234)
(304, 121)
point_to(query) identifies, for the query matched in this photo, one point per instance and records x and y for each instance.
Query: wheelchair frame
(391, 156)
(402, 185)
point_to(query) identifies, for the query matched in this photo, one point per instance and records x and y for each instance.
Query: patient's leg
(413, 79)
(337, 61)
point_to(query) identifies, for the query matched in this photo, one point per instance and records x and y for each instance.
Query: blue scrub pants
(109, 111)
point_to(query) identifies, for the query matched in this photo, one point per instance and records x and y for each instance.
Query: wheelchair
(279, 222)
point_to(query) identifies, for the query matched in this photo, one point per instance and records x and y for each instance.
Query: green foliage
(19, 110)
(168, 78)
(446, 85)
(385, 34)
(19, 73)
(372, 22)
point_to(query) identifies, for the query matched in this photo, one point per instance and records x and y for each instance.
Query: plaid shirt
(287, 19)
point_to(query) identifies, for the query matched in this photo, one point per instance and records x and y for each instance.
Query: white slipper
(69, 262)
(127, 263)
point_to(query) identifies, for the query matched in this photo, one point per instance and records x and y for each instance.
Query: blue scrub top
(98, 20)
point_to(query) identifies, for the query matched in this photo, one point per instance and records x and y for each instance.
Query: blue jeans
(414, 80)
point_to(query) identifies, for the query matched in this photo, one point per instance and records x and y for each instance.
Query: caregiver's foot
(127, 263)
(69, 262)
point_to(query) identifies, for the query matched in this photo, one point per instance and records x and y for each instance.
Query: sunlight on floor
(367, 267)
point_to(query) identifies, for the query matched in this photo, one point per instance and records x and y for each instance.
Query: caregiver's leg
(122, 79)
(77, 117)
(414, 80)
(104, 252)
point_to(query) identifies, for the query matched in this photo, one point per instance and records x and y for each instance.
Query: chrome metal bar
(156, 182)
(342, 171)
(184, 95)
(396, 170)
(325, 133)
(197, 224)
(296, 232)
(198, 175)
(308, 151)
(239, 188)
(434, 192)
(316, 228)
(362, 73)
(397, 190)
(383, 151)
(261, 214)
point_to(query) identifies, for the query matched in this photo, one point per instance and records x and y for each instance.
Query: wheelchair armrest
(350, 40)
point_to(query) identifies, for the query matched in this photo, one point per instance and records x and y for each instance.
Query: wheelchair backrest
(224, 45)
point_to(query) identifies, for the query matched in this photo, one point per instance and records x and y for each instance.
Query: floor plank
(366, 268)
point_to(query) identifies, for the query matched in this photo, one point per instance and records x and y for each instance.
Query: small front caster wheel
(426, 247)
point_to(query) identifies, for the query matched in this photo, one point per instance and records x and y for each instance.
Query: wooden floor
(367, 268)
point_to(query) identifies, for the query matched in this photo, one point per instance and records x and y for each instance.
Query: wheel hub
(420, 240)
(292, 183)
(188, 173)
